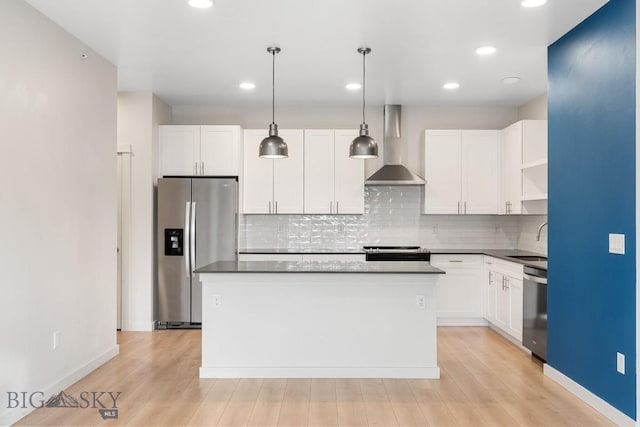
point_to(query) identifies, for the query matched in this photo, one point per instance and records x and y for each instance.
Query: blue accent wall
(592, 192)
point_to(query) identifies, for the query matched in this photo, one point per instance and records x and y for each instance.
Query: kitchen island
(319, 320)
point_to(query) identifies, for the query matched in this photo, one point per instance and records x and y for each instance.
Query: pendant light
(273, 147)
(363, 146)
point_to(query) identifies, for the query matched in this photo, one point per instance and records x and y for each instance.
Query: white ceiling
(198, 57)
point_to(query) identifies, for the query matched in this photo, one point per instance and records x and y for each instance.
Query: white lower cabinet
(459, 292)
(504, 295)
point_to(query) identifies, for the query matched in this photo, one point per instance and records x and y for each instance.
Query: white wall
(536, 109)
(139, 113)
(58, 206)
(414, 121)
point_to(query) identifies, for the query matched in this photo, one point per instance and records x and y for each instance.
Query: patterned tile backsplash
(392, 217)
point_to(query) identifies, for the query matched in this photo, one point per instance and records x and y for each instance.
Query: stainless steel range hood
(393, 172)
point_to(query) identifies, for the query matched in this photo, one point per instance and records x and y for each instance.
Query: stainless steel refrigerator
(197, 225)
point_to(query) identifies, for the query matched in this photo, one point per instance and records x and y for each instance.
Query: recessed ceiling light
(486, 50)
(353, 86)
(451, 85)
(201, 4)
(247, 86)
(533, 3)
(511, 80)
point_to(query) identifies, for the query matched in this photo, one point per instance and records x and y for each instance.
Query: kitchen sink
(529, 257)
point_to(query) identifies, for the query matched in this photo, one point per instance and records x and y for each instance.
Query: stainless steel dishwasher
(534, 318)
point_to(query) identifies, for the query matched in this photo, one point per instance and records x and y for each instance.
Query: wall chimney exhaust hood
(393, 172)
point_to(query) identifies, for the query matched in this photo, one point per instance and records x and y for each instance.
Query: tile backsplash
(392, 217)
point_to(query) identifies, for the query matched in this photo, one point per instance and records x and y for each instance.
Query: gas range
(396, 253)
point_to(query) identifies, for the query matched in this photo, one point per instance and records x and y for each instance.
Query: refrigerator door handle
(192, 237)
(187, 228)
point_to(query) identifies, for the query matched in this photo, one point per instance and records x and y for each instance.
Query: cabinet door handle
(330, 207)
(465, 208)
(195, 168)
(276, 206)
(458, 208)
(269, 206)
(201, 168)
(455, 260)
(506, 283)
(337, 206)
(503, 283)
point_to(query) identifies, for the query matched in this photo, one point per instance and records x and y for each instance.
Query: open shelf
(541, 196)
(536, 163)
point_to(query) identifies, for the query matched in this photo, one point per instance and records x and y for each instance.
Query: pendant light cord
(273, 88)
(363, 84)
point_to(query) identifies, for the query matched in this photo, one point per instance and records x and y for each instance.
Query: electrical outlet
(435, 228)
(56, 339)
(620, 362)
(616, 244)
(420, 301)
(217, 301)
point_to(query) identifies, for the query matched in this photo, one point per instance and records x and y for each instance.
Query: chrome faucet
(540, 229)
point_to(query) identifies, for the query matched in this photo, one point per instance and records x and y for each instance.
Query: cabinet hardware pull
(269, 206)
(202, 168)
(465, 208)
(276, 206)
(455, 260)
(195, 168)
(337, 206)
(330, 207)
(458, 208)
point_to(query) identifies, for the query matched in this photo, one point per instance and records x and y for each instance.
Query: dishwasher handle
(535, 279)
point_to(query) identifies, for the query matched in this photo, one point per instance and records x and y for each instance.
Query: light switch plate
(620, 362)
(616, 244)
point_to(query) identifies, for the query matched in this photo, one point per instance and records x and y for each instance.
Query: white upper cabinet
(511, 176)
(319, 171)
(273, 186)
(443, 151)
(479, 171)
(534, 166)
(220, 150)
(461, 170)
(349, 173)
(333, 182)
(523, 180)
(179, 150)
(199, 150)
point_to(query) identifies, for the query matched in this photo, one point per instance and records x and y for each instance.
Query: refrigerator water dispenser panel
(174, 241)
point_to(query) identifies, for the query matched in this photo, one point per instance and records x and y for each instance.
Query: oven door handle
(540, 280)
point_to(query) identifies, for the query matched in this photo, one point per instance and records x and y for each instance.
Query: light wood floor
(486, 381)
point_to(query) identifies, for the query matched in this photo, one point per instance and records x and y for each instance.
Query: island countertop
(379, 267)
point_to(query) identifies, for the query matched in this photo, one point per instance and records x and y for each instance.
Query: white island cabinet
(319, 320)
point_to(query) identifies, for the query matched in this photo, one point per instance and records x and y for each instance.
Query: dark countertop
(319, 267)
(497, 253)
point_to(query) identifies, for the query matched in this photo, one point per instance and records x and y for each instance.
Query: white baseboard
(139, 326)
(461, 321)
(588, 397)
(12, 416)
(318, 372)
